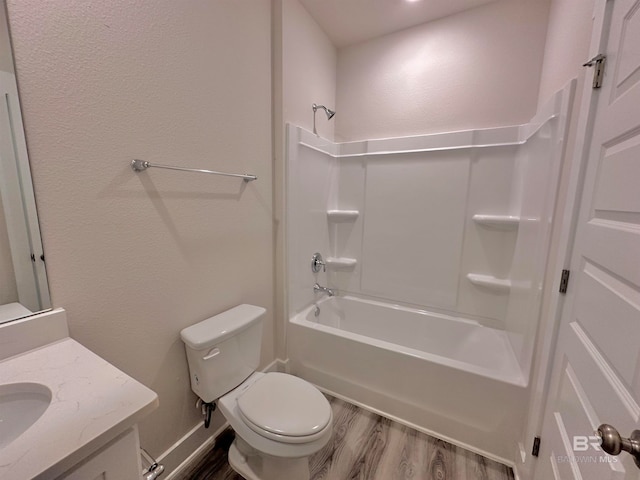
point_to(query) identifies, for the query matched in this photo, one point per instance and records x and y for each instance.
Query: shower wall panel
(413, 232)
(311, 180)
(536, 177)
(487, 249)
(439, 280)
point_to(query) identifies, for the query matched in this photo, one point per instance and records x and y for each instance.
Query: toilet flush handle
(211, 354)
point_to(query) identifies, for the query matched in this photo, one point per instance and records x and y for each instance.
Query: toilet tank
(223, 350)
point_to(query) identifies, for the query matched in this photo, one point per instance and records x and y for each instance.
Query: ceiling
(351, 21)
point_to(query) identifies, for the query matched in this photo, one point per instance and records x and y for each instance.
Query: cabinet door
(118, 460)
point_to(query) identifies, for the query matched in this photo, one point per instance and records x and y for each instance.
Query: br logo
(582, 443)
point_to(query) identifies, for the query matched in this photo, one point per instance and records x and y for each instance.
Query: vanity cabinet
(117, 460)
(88, 429)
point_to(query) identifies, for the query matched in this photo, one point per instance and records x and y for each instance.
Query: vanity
(65, 413)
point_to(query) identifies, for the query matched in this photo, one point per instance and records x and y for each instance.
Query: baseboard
(178, 458)
(523, 465)
(192, 442)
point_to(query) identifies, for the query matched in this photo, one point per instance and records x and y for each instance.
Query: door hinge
(564, 281)
(536, 446)
(598, 62)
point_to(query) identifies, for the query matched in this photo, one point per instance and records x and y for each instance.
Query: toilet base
(252, 465)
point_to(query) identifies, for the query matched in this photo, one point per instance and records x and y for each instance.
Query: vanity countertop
(92, 402)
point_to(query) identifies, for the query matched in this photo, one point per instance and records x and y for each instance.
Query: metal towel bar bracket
(141, 165)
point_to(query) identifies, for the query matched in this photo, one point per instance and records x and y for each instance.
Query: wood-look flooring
(366, 446)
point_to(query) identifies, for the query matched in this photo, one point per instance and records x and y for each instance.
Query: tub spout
(317, 288)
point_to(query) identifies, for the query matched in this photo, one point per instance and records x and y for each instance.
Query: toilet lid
(285, 405)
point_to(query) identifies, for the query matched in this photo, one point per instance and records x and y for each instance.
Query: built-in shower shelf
(341, 263)
(505, 222)
(342, 215)
(489, 281)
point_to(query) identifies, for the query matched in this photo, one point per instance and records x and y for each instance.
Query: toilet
(280, 420)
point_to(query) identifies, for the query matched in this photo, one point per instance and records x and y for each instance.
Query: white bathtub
(451, 377)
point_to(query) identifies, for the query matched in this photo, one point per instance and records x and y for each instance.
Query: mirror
(23, 277)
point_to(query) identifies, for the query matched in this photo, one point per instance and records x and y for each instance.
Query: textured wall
(136, 258)
(475, 69)
(309, 69)
(567, 47)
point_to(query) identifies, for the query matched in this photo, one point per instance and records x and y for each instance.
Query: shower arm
(330, 113)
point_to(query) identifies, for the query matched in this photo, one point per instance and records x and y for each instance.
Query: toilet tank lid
(218, 328)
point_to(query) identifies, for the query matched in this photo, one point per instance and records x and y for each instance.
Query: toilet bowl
(279, 419)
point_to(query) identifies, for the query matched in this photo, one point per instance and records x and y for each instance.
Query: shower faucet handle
(317, 262)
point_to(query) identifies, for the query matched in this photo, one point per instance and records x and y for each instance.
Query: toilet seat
(285, 408)
(262, 441)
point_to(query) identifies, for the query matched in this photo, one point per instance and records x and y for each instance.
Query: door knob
(613, 443)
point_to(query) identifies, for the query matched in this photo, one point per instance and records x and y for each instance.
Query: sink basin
(21, 405)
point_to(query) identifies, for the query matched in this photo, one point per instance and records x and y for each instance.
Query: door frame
(565, 223)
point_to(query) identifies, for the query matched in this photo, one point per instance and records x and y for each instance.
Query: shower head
(330, 113)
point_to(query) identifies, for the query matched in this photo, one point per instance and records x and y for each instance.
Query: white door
(596, 373)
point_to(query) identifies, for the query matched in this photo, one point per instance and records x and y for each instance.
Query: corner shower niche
(455, 224)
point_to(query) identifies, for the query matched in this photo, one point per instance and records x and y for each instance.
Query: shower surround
(437, 247)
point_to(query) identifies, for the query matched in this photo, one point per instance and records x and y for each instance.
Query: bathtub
(449, 377)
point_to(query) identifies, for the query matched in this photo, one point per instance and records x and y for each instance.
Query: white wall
(304, 73)
(308, 69)
(134, 258)
(567, 45)
(475, 69)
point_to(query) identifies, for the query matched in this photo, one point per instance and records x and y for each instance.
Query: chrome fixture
(317, 288)
(154, 470)
(330, 113)
(598, 74)
(317, 262)
(141, 165)
(612, 443)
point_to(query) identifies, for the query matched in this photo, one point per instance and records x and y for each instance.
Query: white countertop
(92, 403)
